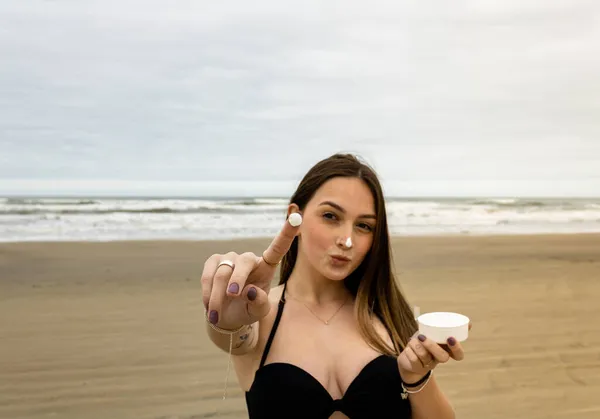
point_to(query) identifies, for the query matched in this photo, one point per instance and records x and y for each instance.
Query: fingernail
(233, 288)
(295, 219)
(252, 294)
(421, 338)
(451, 341)
(213, 317)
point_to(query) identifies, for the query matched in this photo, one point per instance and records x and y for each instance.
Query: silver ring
(226, 262)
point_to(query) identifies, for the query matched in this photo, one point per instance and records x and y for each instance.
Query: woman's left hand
(422, 355)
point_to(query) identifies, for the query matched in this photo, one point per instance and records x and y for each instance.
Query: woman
(335, 338)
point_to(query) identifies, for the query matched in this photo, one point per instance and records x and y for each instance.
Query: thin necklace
(326, 322)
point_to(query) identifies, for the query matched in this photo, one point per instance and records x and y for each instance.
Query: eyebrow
(342, 210)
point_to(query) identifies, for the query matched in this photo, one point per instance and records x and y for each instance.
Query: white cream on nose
(348, 242)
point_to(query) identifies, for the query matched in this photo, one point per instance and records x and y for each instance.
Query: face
(342, 208)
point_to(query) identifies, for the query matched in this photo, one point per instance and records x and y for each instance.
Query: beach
(116, 329)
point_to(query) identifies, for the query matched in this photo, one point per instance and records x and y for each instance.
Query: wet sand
(115, 330)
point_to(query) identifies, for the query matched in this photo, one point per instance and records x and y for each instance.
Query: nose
(347, 229)
(345, 239)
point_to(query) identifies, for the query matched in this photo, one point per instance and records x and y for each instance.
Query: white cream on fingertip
(295, 219)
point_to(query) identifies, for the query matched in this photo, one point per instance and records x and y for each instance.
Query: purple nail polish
(421, 338)
(233, 288)
(451, 341)
(213, 317)
(252, 294)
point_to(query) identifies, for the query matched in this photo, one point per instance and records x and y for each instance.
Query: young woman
(336, 337)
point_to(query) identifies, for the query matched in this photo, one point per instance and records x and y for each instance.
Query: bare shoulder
(266, 323)
(275, 293)
(247, 364)
(382, 331)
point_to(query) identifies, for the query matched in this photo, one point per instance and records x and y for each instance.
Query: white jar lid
(443, 319)
(442, 325)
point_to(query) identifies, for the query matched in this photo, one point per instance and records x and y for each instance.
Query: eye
(329, 216)
(366, 227)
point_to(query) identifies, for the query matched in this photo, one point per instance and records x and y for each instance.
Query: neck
(309, 286)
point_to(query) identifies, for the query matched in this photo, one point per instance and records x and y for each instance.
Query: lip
(340, 258)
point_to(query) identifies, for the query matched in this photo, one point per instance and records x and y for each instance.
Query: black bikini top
(282, 390)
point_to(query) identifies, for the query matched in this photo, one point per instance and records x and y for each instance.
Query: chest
(334, 354)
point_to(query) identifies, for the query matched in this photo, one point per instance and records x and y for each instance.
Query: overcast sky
(480, 97)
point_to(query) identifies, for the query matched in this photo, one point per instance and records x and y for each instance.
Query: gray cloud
(470, 97)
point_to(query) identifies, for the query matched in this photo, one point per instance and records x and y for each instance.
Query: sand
(115, 330)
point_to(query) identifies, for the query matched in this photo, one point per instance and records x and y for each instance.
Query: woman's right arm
(235, 292)
(244, 341)
(232, 316)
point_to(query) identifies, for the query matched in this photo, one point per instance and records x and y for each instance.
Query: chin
(336, 274)
(334, 277)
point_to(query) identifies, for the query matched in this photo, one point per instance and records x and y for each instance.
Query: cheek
(363, 246)
(317, 238)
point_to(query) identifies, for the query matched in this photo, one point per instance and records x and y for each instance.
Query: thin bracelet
(230, 333)
(223, 331)
(406, 392)
(418, 383)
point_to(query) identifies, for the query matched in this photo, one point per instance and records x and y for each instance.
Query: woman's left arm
(420, 357)
(430, 403)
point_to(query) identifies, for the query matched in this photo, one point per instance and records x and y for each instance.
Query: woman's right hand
(238, 296)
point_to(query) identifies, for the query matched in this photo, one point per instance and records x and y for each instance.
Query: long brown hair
(373, 283)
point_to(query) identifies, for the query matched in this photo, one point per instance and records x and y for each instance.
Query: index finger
(210, 266)
(283, 241)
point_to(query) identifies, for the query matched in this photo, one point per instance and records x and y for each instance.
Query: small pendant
(404, 395)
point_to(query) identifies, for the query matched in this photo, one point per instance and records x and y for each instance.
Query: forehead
(352, 194)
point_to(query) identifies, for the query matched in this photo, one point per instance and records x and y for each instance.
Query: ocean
(108, 219)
